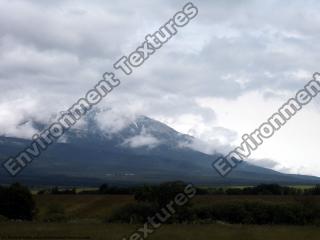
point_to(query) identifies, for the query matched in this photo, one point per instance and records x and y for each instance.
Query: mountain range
(143, 151)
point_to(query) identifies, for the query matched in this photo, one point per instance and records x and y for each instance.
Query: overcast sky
(223, 75)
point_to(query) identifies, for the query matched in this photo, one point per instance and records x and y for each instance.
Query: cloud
(266, 163)
(211, 140)
(144, 139)
(52, 52)
(278, 166)
(113, 121)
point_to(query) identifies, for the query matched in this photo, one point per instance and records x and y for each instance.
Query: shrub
(183, 215)
(264, 189)
(3, 218)
(314, 191)
(160, 195)
(17, 202)
(259, 213)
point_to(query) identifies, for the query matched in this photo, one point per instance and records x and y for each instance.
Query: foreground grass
(23, 230)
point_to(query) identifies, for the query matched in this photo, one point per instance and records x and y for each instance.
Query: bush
(151, 200)
(183, 215)
(314, 191)
(265, 189)
(160, 195)
(3, 218)
(259, 213)
(17, 202)
(106, 189)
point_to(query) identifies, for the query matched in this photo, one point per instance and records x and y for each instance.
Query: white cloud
(142, 140)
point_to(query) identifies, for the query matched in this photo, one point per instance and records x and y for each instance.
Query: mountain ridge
(144, 151)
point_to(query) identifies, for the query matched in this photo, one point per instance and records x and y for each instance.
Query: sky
(220, 77)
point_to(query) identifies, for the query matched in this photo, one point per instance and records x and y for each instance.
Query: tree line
(261, 189)
(17, 202)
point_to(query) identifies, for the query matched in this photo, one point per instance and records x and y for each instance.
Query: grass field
(83, 206)
(90, 207)
(174, 232)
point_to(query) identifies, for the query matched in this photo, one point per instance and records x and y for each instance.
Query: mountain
(143, 150)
